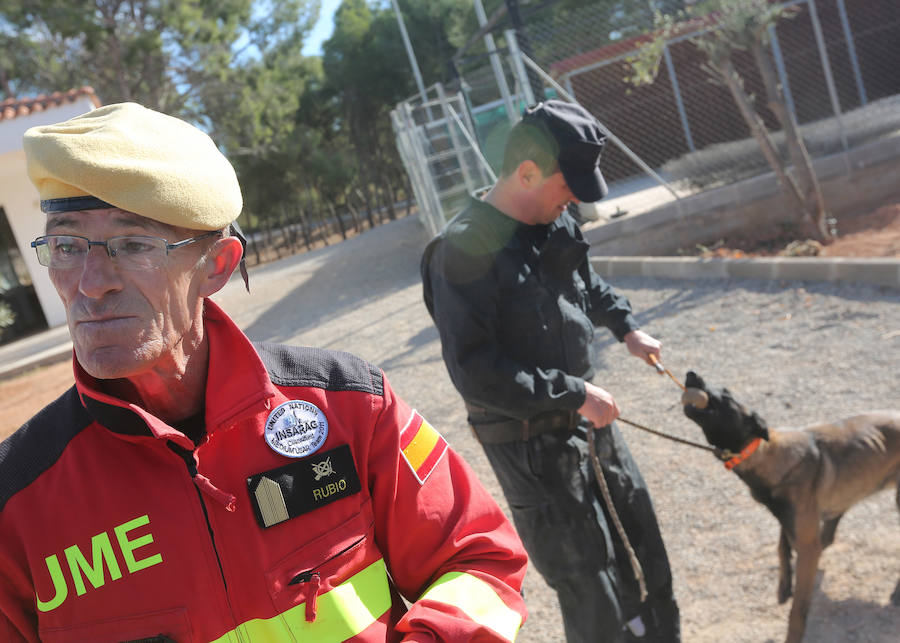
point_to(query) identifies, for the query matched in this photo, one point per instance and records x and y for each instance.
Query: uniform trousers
(560, 515)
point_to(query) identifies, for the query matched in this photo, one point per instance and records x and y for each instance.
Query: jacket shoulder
(320, 368)
(39, 443)
(479, 230)
(468, 247)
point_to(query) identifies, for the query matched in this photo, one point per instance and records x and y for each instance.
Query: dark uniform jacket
(516, 307)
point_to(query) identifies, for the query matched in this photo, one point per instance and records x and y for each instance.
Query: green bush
(7, 317)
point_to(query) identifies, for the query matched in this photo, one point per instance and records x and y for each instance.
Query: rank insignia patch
(300, 487)
(422, 446)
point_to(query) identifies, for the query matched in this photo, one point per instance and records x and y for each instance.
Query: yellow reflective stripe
(478, 600)
(342, 613)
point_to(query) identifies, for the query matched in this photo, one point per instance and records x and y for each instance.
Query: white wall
(12, 130)
(20, 200)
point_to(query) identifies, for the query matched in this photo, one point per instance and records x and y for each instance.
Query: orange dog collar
(745, 453)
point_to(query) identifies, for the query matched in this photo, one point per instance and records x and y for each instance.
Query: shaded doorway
(20, 310)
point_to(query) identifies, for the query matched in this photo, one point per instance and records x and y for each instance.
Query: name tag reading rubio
(299, 487)
(296, 429)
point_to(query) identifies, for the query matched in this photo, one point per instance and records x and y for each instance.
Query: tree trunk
(269, 242)
(364, 197)
(340, 222)
(108, 11)
(353, 212)
(253, 244)
(332, 210)
(813, 204)
(383, 188)
(289, 232)
(304, 226)
(304, 221)
(389, 196)
(4, 84)
(726, 69)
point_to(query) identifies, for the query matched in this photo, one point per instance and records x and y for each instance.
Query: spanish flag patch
(422, 446)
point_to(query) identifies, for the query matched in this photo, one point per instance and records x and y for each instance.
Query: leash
(620, 529)
(607, 496)
(662, 369)
(718, 452)
(722, 454)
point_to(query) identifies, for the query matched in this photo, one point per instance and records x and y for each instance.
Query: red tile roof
(14, 107)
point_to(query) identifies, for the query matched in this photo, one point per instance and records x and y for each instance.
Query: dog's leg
(809, 549)
(784, 567)
(828, 529)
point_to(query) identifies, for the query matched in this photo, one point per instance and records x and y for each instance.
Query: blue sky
(322, 31)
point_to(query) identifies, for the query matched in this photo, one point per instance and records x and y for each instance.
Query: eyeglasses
(133, 252)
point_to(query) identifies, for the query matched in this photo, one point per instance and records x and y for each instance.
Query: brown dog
(807, 478)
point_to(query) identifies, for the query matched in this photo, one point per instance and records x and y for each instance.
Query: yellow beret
(133, 158)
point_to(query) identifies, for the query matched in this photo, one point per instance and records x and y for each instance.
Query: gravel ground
(794, 352)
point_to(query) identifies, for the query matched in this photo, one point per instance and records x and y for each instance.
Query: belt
(493, 429)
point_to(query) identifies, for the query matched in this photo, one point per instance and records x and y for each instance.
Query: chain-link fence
(837, 61)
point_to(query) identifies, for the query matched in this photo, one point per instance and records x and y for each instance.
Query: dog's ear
(760, 428)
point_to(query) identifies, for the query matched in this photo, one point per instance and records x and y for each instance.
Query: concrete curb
(41, 349)
(875, 271)
(42, 358)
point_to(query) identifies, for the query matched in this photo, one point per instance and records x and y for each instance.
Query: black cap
(580, 141)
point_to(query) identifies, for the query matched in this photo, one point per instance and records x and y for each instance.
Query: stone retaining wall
(881, 272)
(860, 179)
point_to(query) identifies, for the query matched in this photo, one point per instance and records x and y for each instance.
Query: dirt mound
(874, 233)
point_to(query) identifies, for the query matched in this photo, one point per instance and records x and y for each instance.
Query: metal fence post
(826, 67)
(851, 50)
(523, 44)
(569, 87)
(485, 172)
(496, 63)
(679, 102)
(518, 66)
(782, 70)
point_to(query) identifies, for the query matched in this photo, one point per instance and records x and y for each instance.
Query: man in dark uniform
(510, 288)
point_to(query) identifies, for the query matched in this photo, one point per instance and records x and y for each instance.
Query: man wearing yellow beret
(195, 486)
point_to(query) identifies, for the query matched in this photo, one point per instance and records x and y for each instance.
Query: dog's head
(725, 422)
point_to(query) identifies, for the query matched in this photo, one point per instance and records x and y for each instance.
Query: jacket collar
(237, 386)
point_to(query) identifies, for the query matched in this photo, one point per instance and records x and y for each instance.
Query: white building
(24, 284)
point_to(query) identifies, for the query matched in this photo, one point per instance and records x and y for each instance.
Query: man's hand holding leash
(643, 346)
(599, 405)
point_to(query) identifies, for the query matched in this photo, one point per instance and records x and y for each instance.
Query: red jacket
(316, 499)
